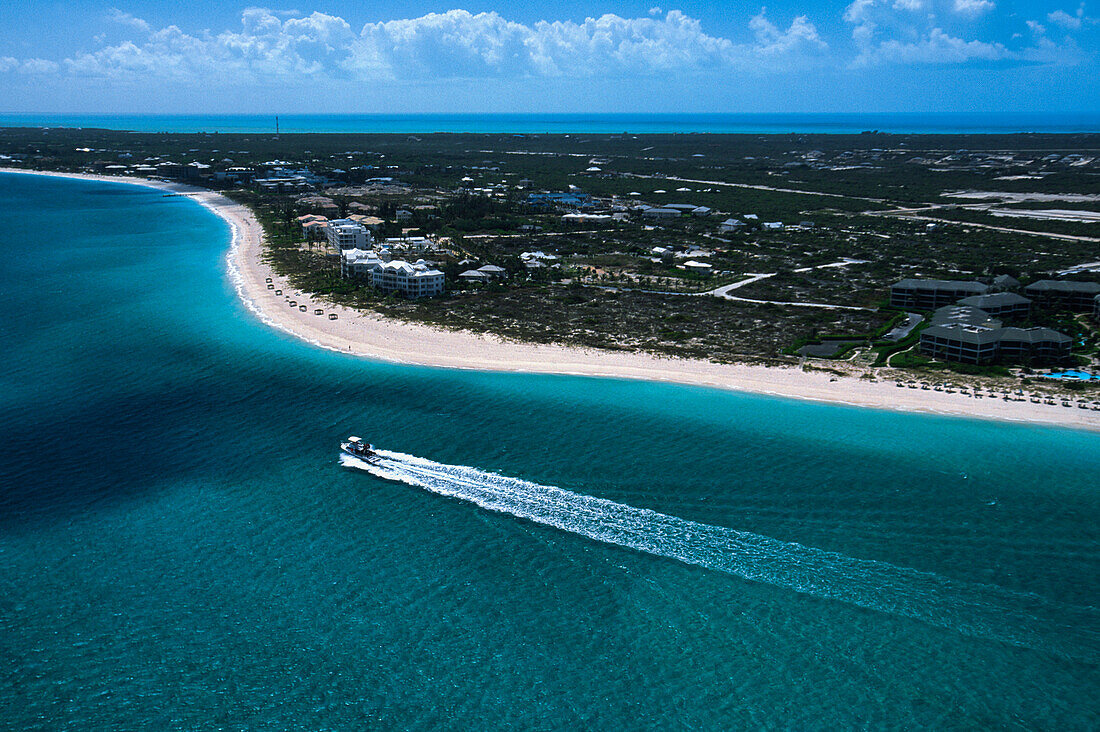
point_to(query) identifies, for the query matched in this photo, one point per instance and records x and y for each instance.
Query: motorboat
(356, 448)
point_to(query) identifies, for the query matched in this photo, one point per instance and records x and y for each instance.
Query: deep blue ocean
(745, 123)
(180, 547)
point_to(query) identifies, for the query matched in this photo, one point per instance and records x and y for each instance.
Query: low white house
(418, 244)
(475, 275)
(494, 271)
(661, 213)
(586, 218)
(701, 267)
(488, 273)
(731, 226)
(538, 255)
(773, 225)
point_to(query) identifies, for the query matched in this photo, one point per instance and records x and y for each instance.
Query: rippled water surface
(181, 547)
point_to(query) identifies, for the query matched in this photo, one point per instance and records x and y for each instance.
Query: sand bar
(372, 336)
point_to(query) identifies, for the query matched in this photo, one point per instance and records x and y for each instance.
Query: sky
(549, 56)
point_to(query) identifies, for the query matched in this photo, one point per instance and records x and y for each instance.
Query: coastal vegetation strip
(800, 205)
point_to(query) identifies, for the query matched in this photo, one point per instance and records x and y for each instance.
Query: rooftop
(1064, 286)
(921, 284)
(996, 300)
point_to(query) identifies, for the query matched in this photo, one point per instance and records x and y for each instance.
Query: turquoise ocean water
(747, 123)
(181, 548)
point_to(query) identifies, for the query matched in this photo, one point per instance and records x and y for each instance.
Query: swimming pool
(1080, 375)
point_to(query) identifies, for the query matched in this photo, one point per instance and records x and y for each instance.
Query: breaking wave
(975, 609)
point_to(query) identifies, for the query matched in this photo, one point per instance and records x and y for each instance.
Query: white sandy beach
(371, 336)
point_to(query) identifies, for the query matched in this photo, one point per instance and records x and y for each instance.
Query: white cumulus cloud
(37, 66)
(1067, 21)
(890, 32)
(973, 7)
(122, 18)
(456, 44)
(801, 36)
(937, 48)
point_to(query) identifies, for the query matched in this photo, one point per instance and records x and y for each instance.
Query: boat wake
(975, 609)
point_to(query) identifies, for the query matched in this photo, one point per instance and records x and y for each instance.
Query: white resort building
(356, 263)
(413, 280)
(344, 234)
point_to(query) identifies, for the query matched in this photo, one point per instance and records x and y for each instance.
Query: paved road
(909, 213)
(1087, 267)
(904, 329)
(757, 187)
(725, 290)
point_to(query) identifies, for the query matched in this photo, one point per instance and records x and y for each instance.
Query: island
(946, 273)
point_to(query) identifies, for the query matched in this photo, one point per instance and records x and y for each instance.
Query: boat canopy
(354, 439)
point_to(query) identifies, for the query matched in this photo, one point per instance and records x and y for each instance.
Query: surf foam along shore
(372, 336)
(978, 610)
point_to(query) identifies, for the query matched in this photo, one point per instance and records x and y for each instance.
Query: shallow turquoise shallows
(180, 547)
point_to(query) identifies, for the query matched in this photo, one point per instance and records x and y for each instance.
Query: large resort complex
(971, 330)
(353, 242)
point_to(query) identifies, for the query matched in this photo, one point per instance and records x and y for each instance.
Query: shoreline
(369, 335)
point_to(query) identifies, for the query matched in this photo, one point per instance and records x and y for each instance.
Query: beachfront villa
(980, 344)
(931, 294)
(966, 334)
(345, 234)
(963, 315)
(1000, 304)
(412, 280)
(1077, 296)
(359, 263)
(965, 327)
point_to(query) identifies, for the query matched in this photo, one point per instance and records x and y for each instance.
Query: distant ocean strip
(530, 124)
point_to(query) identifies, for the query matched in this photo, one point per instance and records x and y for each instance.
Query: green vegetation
(622, 283)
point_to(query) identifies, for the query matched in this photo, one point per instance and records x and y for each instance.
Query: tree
(287, 211)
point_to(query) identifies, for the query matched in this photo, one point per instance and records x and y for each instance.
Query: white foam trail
(979, 610)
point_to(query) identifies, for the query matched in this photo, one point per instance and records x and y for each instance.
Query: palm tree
(287, 212)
